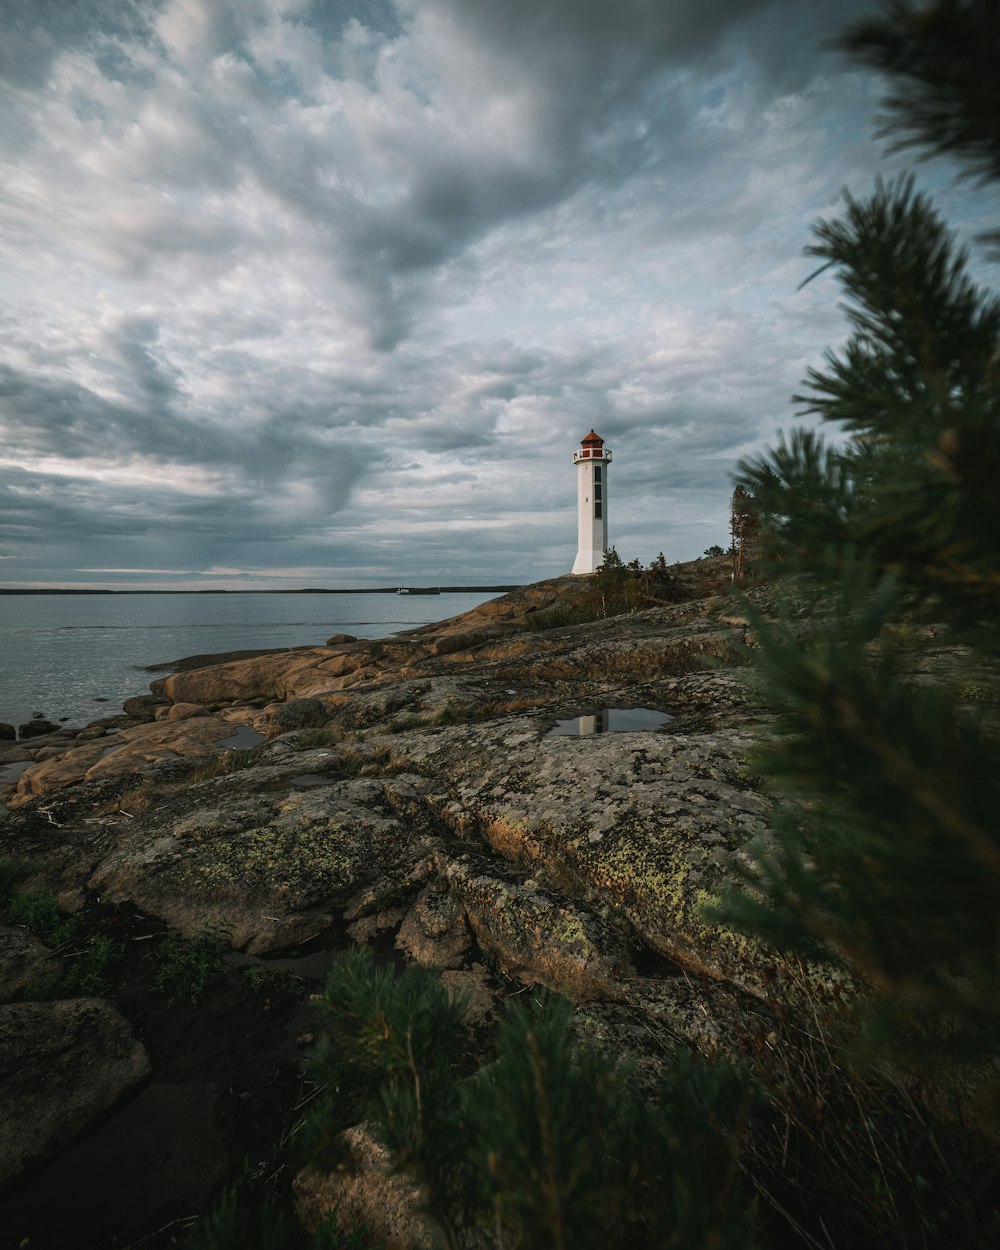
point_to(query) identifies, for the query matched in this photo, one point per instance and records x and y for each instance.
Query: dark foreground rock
(36, 727)
(62, 1064)
(23, 960)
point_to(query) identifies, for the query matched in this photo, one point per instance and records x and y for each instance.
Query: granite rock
(62, 1064)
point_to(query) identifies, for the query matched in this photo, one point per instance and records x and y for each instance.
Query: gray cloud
(293, 286)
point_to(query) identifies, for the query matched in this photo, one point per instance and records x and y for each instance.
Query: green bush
(187, 967)
(88, 963)
(39, 911)
(551, 1142)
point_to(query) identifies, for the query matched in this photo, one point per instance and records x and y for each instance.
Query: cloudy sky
(326, 292)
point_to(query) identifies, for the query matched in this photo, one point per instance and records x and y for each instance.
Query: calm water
(611, 720)
(80, 656)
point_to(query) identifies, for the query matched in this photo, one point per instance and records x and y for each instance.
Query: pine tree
(943, 60)
(886, 845)
(551, 1145)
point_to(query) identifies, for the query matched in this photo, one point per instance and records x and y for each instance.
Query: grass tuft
(311, 739)
(186, 968)
(226, 762)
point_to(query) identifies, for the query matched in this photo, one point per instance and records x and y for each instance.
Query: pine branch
(944, 61)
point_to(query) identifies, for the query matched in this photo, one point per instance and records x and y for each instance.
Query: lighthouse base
(588, 561)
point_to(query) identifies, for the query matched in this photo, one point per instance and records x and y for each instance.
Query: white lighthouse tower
(591, 462)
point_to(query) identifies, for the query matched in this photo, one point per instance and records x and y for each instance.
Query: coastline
(404, 794)
(305, 590)
(79, 656)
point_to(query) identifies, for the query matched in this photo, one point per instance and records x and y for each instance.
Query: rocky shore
(406, 793)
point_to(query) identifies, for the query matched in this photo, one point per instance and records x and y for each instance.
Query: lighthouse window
(598, 514)
(597, 491)
(597, 472)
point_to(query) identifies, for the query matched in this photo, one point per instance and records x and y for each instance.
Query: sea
(76, 658)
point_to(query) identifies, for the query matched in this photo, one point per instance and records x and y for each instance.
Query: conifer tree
(550, 1146)
(886, 845)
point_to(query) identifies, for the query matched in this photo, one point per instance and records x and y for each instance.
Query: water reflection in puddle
(304, 781)
(243, 737)
(313, 967)
(611, 720)
(309, 781)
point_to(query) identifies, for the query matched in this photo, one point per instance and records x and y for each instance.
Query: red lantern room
(591, 448)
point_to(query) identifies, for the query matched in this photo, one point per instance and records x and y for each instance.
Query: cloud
(338, 288)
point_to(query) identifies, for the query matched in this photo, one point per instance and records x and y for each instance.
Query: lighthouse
(591, 462)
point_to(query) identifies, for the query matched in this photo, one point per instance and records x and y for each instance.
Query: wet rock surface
(62, 1064)
(406, 793)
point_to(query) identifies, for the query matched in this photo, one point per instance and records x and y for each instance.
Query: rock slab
(61, 1065)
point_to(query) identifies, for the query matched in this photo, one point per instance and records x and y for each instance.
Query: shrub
(552, 1143)
(39, 911)
(186, 968)
(232, 761)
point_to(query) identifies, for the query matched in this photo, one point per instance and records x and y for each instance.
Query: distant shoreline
(305, 590)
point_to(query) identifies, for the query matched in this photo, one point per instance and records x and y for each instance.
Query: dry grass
(233, 761)
(380, 761)
(858, 1154)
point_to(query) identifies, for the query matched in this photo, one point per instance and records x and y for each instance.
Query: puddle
(311, 967)
(315, 964)
(611, 720)
(243, 737)
(310, 781)
(160, 1152)
(304, 781)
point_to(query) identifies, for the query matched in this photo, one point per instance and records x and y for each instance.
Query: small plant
(389, 1051)
(88, 963)
(226, 762)
(235, 1223)
(380, 761)
(135, 801)
(186, 968)
(551, 1145)
(38, 910)
(448, 715)
(87, 972)
(263, 980)
(95, 965)
(402, 724)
